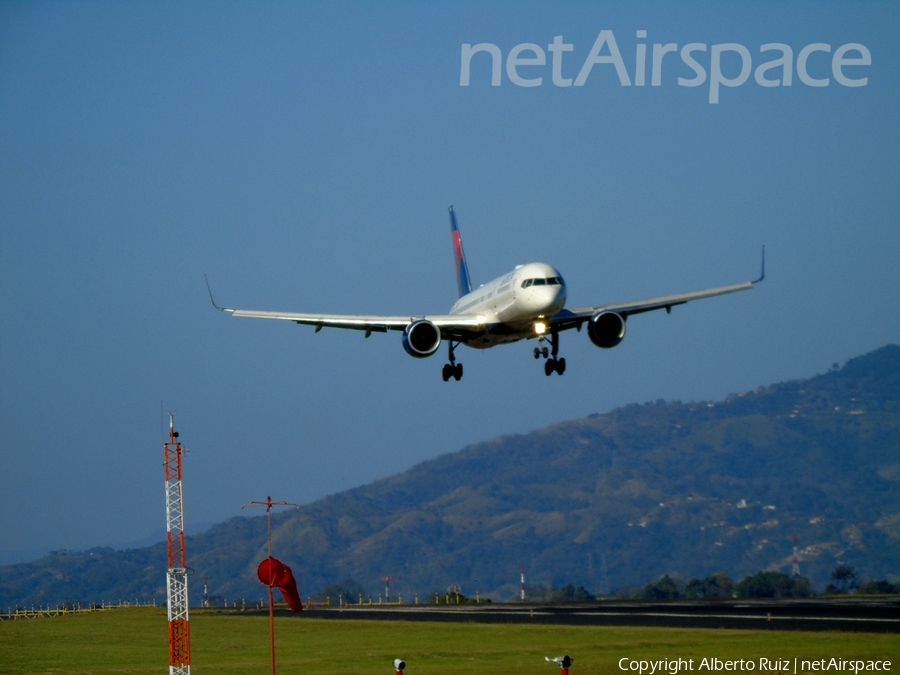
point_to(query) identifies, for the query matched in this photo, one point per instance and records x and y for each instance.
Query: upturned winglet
(209, 290)
(762, 273)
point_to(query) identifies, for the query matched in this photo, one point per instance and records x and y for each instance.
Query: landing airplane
(527, 303)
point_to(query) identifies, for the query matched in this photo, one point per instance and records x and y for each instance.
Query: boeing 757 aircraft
(527, 303)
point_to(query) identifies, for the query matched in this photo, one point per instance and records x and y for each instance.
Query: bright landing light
(540, 327)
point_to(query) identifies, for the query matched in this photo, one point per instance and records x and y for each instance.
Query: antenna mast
(176, 574)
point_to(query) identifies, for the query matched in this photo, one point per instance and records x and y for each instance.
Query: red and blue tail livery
(463, 281)
(527, 303)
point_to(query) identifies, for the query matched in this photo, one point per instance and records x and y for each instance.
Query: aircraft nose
(549, 298)
(559, 299)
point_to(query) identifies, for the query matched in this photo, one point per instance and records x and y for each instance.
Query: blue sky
(304, 154)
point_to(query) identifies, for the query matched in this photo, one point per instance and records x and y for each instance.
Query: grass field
(134, 640)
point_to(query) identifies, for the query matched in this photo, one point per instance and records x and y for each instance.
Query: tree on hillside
(718, 585)
(570, 593)
(879, 587)
(664, 588)
(774, 585)
(843, 579)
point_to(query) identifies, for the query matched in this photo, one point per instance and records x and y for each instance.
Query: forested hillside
(612, 500)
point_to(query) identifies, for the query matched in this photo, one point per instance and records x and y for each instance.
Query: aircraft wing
(572, 318)
(450, 325)
(371, 323)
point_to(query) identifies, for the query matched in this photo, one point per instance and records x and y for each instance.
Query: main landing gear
(452, 369)
(553, 364)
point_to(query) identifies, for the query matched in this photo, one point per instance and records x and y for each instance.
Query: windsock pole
(269, 504)
(176, 574)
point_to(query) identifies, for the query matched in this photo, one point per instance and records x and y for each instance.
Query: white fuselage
(515, 304)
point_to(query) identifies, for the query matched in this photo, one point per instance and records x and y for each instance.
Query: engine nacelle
(421, 338)
(606, 329)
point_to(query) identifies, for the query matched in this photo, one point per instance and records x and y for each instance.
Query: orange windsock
(272, 572)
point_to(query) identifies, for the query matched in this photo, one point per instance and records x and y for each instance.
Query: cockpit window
(551, 281)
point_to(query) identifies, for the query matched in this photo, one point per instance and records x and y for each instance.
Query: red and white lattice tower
(176, 575)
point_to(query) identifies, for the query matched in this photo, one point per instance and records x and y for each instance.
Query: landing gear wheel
(552, 364)
(537, 352)
(544, 352)
(557, 365)
(452, 369)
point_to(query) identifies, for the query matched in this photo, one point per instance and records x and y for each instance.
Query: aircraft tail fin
(462, 269)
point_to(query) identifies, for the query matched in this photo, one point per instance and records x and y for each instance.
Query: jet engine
(606, 329)
(421, 338)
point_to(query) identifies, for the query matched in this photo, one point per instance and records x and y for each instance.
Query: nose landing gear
(553, 364)
(452, 369)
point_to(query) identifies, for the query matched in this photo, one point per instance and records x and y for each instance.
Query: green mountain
(609, 501)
